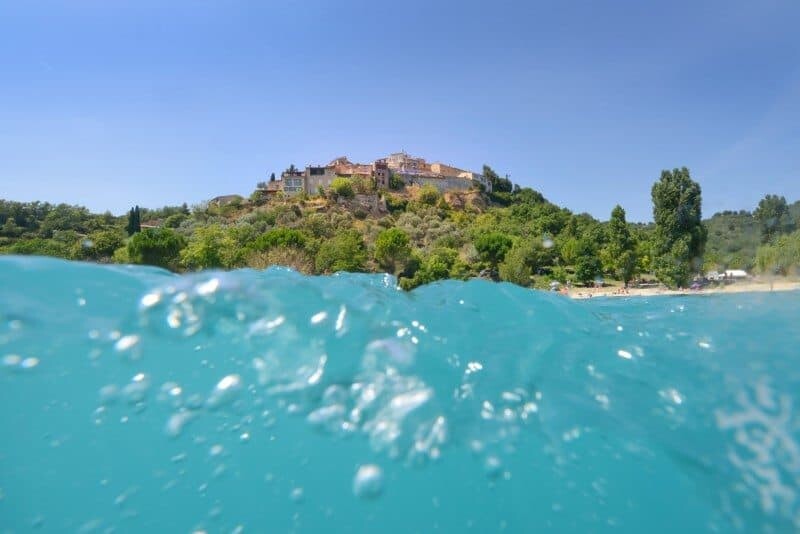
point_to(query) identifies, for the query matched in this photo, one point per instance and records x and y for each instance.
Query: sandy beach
(751, 286)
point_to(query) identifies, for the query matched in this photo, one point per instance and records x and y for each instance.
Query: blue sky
(110, 104)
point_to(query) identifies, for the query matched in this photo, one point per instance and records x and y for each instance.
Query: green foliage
(212, 247)
(395, 182)
(429, 195)
(733, 237)
(493, 246)
(499, 185)
(392, 249)
(279, 237)
(99, 245)
(680, 237)
(156, 246)
(41, 247)
(344, 252)
(773, 218)
(134, 221)
(587, 264)
(175, 220)
(395, 204)
(440, 264)
(516, 265)
(619, 253)
(781, 256)
(342, 187)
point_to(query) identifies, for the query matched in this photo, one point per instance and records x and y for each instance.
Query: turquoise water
(134, 399)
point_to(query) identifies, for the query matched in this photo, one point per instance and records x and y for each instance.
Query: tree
(499, 185)
(679, 236)
(620, 250)
(516, 265)
(772, 215)
(492, 247)
(392, 249)
(587, 264)
(134, 221)
(292, 169)
(156, 246)
(342, 187)
(211, 247)
(10, 228)
(272, 177)
(344, 252)
(780, 256)
(99, 245)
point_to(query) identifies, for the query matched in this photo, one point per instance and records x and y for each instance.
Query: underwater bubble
(216, 450)
(319, 317)
(624, 354)
(11, 360)
(296, 495)
(136, 390)
(126, 342)
(671, 395)
(492, 466)
(225, 391)
(150, 299)
(244, 437)
(108, 394)
(176, 422)
(208, 288)
(368, 482)
(29, 363)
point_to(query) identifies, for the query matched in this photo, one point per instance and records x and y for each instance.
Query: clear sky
(114, 103)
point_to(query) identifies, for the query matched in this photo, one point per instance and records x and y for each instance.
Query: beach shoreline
(737, 287)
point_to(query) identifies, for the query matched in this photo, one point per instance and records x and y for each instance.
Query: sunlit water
(134, 400)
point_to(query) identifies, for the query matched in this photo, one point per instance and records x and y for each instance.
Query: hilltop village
(392, 172)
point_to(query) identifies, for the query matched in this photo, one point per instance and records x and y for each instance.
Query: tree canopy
(680, 236)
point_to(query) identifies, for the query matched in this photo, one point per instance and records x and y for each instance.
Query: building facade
(411, 170)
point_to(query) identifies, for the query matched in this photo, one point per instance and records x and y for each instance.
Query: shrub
(429, 195)
(344, 252)
(279, 237)
(392, 249)
(156, 246)
(342, 187)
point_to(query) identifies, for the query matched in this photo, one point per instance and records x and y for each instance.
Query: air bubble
(108, 394)
(176, 422)
(225, 391)
(368, 482)
(136, 390)
(126, 342)
(296, 495)
(11, 361)
(492, 466)
(29, 363)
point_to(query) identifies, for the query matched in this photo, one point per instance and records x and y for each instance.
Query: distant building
(411, 170)
(292, 182)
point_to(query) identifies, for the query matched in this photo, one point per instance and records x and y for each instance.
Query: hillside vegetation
(513, 234)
